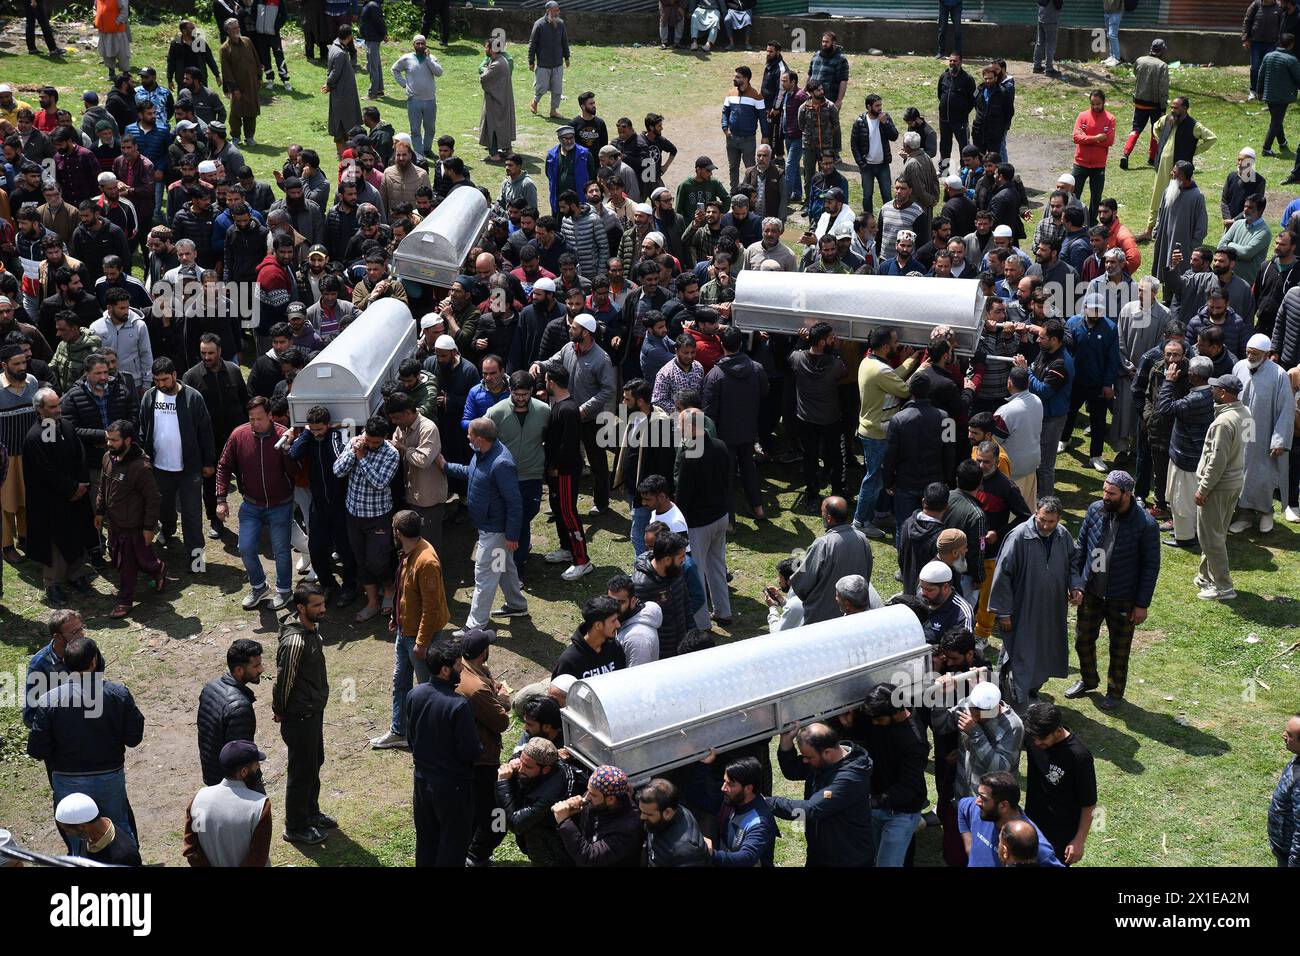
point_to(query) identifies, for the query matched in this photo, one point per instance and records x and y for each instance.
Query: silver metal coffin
(854, 305)
(434, 252)
(346, 375)
(652, 718)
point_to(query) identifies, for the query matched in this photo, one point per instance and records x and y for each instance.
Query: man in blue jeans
(786, 119)
(899, 749)
(416, 73)
(881, 390)
(872, 133)
(419, 614)
(254, 452)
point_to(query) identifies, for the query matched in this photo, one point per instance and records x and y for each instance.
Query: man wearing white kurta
(1268, 396)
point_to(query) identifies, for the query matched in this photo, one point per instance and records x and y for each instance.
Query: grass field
(1185, 766)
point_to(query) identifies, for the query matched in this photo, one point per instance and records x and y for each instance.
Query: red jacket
(265, 472)
(1121, 238)
(708, 349)
(1092, 155)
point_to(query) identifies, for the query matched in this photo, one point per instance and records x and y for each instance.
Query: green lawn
(1185, 767)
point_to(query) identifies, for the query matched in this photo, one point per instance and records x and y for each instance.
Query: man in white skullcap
(948, 609)
(93, 836)
(1268, 396)
(990, 739)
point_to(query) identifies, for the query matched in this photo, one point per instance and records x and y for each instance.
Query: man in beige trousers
(1219, 477)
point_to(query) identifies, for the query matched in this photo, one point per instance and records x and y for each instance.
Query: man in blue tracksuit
(1051, 377)
(1093, 340)
(748, 829)
(743, 116)
(318, 447)
(496, 510)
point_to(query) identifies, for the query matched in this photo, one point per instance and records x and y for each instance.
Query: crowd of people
(183, 298)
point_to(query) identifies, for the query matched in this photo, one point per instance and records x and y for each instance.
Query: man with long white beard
(1267, 394)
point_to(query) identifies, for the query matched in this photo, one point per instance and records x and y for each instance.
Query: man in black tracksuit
(225, 394)
(298, 702)
(444, 744)
(318, 447)
(899, 751)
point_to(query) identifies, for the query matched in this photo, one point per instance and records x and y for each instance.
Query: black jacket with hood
(836, 808)
(671, 596)
(733, 389)
(581, 661)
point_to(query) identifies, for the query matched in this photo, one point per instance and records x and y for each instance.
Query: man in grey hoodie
(638, 632)
(417, 73)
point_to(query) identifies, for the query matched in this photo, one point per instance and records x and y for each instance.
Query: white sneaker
(287, 85)
(1060, 447)
(560, 556)
(1208, 594)
(1266, 523)
(1098, 464)
(1110, 61)
(255, 597)
(280, 600)
(304, 563)
(1250, 95)
(575, 571)
(388, 741)
(1240, 525)
(310, 575)
(1291, 514)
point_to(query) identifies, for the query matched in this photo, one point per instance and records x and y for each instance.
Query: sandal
(120, 611)
(366, 614)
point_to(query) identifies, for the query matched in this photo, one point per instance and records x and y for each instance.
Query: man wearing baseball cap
(1116, 564)
(958, 208)
(701, 188)
(1220, 475)
(1096, 367)
(93, 836)
(568, 166)
(591, 382)
(234, 827)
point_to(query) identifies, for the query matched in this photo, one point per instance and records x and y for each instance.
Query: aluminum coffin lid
(357, 361)
(651, 718)
(854, 305)
(435, 250)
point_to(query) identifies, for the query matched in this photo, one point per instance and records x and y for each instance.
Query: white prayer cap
(643, 208)
(207, 166)
(985, 696)
(76, 808)
(445, 342)
(936, 572)
(545, 284)
(1246, 151)
(1002, 232)
(103, 179)
(844, 230)
(563, 682)
(1260, 341)
(6, 88)
(402, 138)
(657, 238)
(1065, 178)
(953, 182)
(430, 320)
(905, 235)
(587, 322)
(419, 38)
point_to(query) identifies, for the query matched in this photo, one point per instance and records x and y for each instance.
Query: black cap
(476, 641)
(238, 753)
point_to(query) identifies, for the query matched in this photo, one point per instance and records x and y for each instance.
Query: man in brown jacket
(416, 438)
(419, 614)
(128, 497)
(491, 702)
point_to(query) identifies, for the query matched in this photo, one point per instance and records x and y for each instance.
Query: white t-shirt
(675, 520)
(875, 145)
(167, 454)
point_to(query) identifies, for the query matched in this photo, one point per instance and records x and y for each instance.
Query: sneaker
(304, 564)
(559, 556)
(1052, 74)
(307, 835)
(1060, 447)
(1167, 525)
(280, 601)
(388, 741)
(1291, 514)
(575, 571)
(161, 539)
(215, 529)
(1266, 523)
(595, 511)
(1250, 95)
(1123, 161)
(1240, 525)
(506, 611)
(322, 822)
(310, 576)
(1110, 61)
(1039, 69)
(249, 141)
(1214, 594)
(255, 597)
(871, 531)
(1098, 464)
(287, 85)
